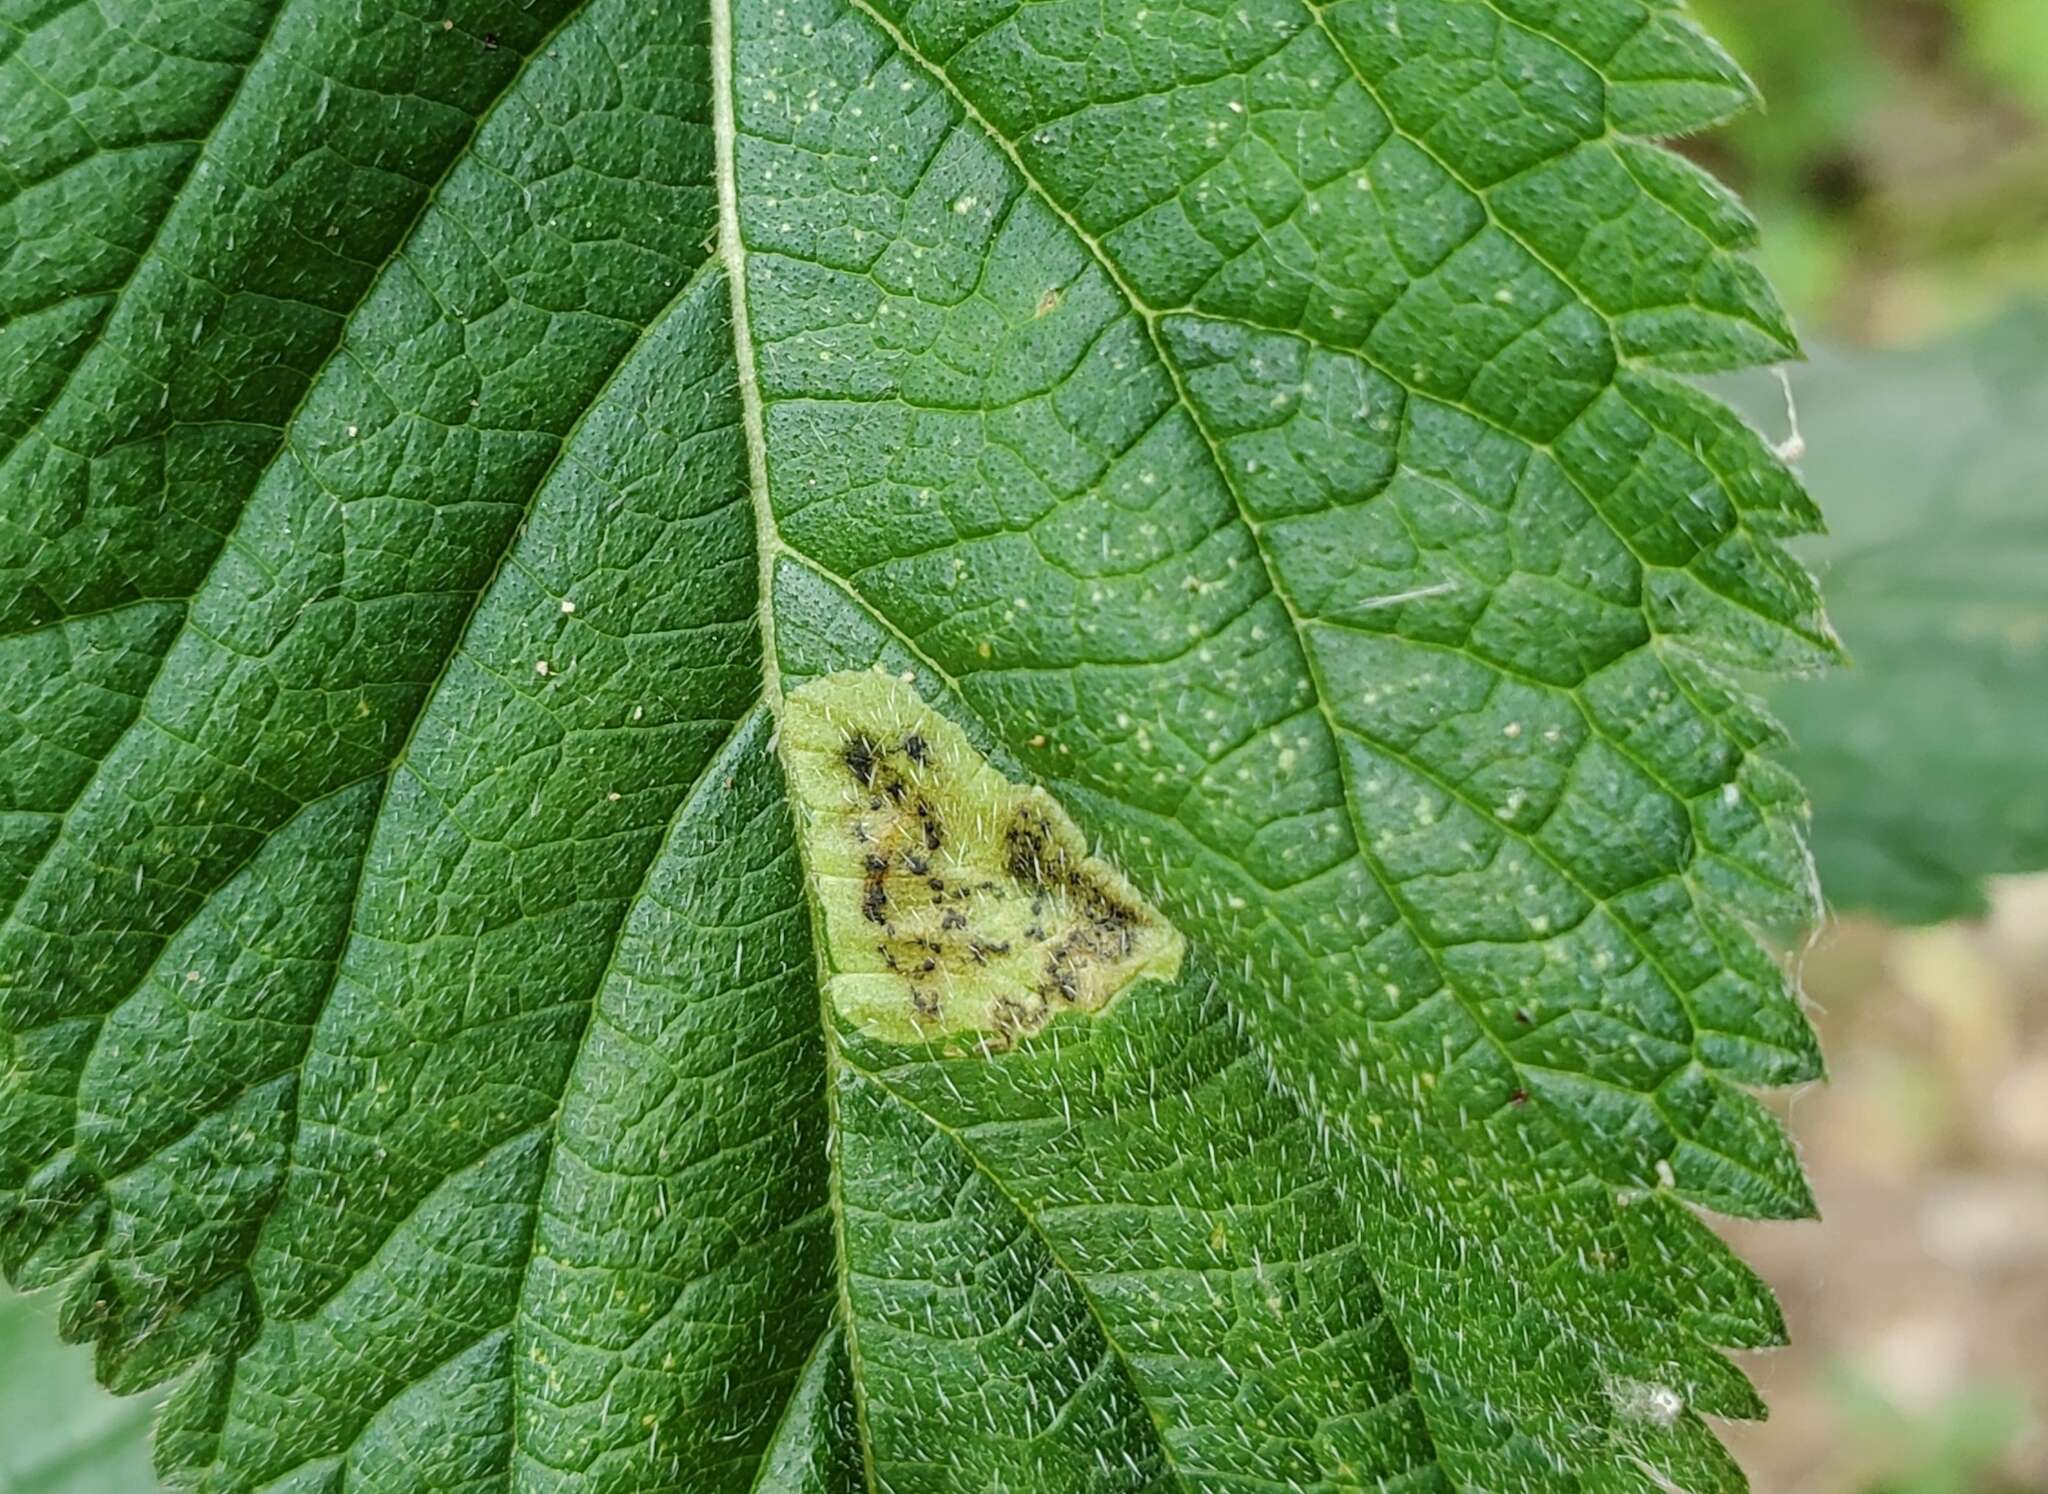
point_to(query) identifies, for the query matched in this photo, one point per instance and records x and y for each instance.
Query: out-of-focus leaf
(2009, 40)
(59, 1432)
(1928, 759)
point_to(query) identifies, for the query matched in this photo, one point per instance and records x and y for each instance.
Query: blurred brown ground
(1918, 1307)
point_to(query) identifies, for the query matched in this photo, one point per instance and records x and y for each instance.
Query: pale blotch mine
(955, 903)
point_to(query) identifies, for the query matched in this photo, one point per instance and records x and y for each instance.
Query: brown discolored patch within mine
(900, 892)
(1106, 931)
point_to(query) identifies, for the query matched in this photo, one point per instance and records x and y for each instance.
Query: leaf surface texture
(444, 445)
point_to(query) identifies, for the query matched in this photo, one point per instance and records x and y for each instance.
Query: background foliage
(1923, 757)
(59, 1432)
(1901, 172)
(1900, 166)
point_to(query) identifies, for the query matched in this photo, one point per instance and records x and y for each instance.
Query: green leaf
(1924, 758)
(448, 461)
(59, 1433)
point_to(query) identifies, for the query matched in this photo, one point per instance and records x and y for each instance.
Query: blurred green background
(1901, 177)
(1900, 166)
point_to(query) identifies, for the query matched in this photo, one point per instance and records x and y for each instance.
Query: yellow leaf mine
(955, 902)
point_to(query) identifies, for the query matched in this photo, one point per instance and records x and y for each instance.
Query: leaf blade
(1047, 386)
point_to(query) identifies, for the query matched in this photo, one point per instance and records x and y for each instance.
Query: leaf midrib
(731, 252)
(771, 545)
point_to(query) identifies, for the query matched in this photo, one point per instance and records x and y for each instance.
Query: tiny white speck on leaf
(1644, 1400)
